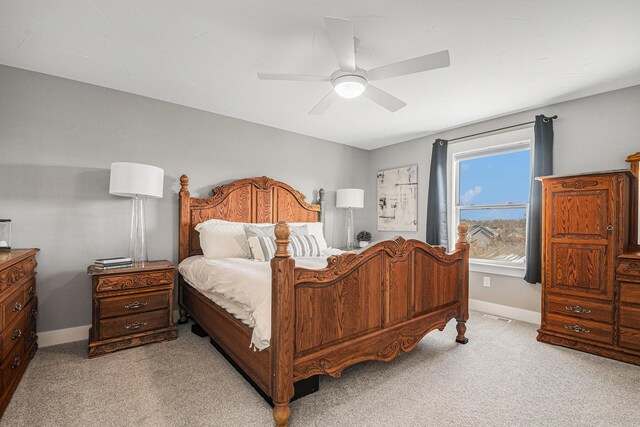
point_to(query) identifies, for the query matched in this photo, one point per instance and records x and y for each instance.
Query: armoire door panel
(580, 270)
(580, 215)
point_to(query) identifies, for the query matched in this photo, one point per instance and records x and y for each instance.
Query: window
(489, 191)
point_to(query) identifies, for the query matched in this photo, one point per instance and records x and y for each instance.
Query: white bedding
(242, 287)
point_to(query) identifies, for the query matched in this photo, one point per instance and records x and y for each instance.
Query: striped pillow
(264, 248)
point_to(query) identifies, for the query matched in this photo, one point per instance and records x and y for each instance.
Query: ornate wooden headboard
(246, 200)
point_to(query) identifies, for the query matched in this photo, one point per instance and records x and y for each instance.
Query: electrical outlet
(487, 282)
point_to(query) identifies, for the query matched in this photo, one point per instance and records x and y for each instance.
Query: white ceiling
(506, 56)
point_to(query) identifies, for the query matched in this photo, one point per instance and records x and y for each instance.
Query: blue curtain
(437, 232)
(542, 165)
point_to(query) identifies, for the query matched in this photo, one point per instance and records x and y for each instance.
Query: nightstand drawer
(12, 307)
(582, 309)
(119, 282)
(133, 324)
(11, 335)
(142, 302)
(579, 328)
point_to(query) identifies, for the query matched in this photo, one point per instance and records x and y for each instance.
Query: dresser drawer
(628, 268)
(17, 272)
(12, 334)
(630, 316)
(630, 292)
(133, 324)
(125, 305)
(11, 364)
(12, 307)
(31, 311)
(580, 309)
(580, 328)
(118, 282)
(629, 338)
(29, 290)
(30, 336)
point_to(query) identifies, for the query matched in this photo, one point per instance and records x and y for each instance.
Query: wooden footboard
(372, 305)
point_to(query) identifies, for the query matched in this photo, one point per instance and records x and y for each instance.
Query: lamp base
(350, 243)
(137, 239)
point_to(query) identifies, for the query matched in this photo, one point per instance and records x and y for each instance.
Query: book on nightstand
(109, 263)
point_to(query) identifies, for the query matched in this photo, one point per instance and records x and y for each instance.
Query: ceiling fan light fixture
(350, 86)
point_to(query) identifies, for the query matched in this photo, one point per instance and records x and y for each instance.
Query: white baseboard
(505, 311)
(63, 336)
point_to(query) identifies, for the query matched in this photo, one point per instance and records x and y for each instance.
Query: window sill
(500, 269)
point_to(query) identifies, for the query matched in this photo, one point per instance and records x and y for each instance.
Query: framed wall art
(398, 199)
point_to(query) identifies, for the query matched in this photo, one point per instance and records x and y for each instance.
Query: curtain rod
(499, 129)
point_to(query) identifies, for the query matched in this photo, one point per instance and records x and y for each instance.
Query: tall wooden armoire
(585, 235)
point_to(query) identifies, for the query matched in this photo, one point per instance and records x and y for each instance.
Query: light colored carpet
(503, 377)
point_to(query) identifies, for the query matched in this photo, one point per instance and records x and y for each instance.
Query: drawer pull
(578, 309)
(32, 336)
(135, 305)
(33, 313)
(136, 325)
(577, 328)
(17, 334)
(32, 290)
(17, 307)
(16, 362)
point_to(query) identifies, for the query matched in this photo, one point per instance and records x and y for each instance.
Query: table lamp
(350, 198)
(140, 182)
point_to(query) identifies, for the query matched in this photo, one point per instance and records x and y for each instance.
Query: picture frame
(397, 193)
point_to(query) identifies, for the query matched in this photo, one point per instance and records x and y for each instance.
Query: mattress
(242, 287)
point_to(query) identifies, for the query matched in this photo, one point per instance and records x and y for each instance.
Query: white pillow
(315, 229)
(223, 239)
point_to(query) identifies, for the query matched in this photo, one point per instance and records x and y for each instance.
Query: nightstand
(131, 306)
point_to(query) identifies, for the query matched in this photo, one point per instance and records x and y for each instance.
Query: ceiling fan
(350, 81)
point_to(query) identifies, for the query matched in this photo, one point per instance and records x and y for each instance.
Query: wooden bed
(374, 304)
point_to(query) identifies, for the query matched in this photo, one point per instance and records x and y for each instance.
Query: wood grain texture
(131, 307)
(18, 340)
(590, 286)
(579, 308)
(252, 200)
(373, 304)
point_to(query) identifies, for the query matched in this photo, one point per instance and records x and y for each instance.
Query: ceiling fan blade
(341, 36)
(295, 77)
(383, 98)
(410, 66)
(324, 104)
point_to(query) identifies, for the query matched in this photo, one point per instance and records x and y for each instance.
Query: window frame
(500, 143)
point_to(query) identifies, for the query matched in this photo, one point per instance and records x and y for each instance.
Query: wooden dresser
(18, 310)
(590, 289)
(131, 306)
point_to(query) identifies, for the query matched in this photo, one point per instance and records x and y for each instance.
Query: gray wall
(591, 134)
(58, 138)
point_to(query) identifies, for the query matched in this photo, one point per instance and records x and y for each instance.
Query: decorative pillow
(223, 239)
(315, 229)
(263, 248)
(268, 230)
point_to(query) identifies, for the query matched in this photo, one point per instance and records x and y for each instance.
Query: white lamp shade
(350, 198)
(135, 179)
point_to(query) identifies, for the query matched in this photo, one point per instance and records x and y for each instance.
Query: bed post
(282, 324)
(321, 214)
(183, 237)
(462, 318)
